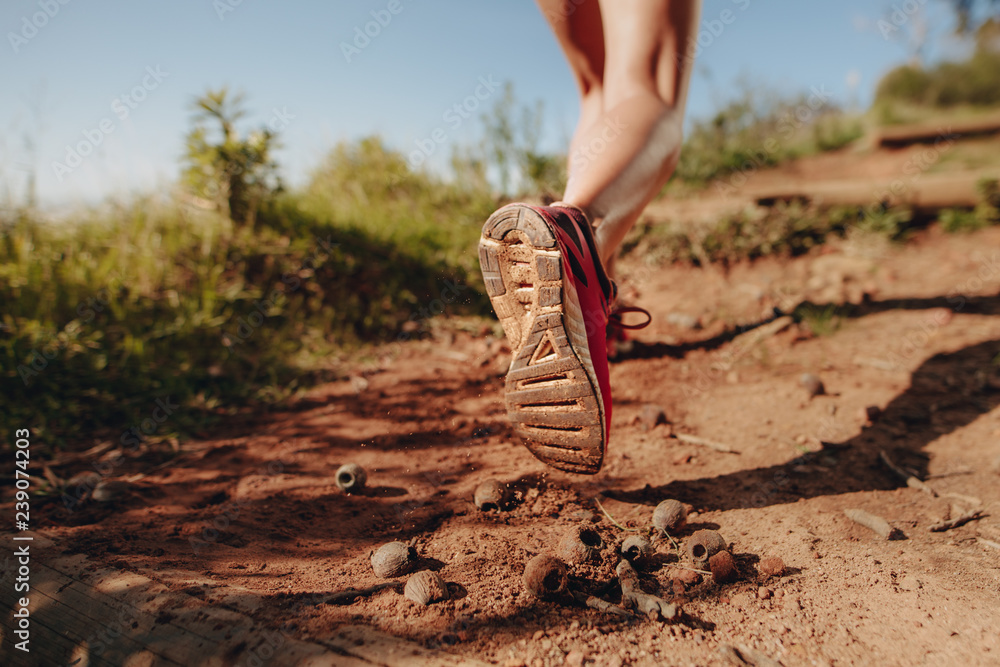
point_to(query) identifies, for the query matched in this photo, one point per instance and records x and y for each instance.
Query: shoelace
(615, 318)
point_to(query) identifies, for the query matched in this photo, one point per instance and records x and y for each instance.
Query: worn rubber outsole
(551, 390)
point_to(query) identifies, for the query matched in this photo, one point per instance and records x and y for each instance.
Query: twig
(875, 523)
(910, 480)
(650, 605)
(351, 594)
(695, 440)
(597, 603)
(942, 526)
(690, 569)
(988, 543)
(972, 500)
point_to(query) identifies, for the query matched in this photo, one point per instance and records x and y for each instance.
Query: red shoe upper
(596, 292)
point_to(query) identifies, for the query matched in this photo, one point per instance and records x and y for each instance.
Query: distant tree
(973, 13)
(236, 173)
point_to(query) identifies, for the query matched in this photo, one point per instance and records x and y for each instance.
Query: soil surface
(251, 519)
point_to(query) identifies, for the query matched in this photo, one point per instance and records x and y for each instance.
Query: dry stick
(875, 523)
(910, 480)
(650, 605)
(695, 440)
(597, 603)
(972, 500)
(988, 543)
(351, 594)
(942, 526)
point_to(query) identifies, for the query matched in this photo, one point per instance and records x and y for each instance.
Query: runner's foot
(553, 298)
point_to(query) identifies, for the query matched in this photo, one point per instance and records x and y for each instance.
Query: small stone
(538, 635)
(651, 416)
(764, 593)
(772, 566)
(723, 567)
(575, 658)
(812, 384)
(687, 577)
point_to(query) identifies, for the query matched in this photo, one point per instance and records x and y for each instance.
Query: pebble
(764, 593)
(812, 384)
(772, 566)
(538, 635)
(651, 416)
(575, 658)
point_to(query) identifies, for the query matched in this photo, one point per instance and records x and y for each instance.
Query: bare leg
(628, 140)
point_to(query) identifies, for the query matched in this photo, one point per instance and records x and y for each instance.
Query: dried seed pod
(703, 545)
(545, 577)
(669, 515)
(772, 566)
(637, 549)
(581, 544)
(425, 587)
(393, 560)
(351, 477)
(491, 495)
(812, 384)
(723, 567)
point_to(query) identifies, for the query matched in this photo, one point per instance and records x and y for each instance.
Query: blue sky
(64, 81)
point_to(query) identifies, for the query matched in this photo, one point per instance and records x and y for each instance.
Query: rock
(764, 593)
(772, 566)
(651, 416)
(812, 384)
(683, 320)
(723, 567)
(575, 658)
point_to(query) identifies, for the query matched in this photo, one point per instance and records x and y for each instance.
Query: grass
(157, 301)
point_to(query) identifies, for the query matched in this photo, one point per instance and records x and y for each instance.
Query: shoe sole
(551, 390)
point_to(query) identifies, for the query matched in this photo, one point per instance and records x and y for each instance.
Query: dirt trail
(251, 520)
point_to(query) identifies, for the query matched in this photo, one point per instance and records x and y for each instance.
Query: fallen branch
(942, 526)
(650, 605)
(351, 594)
(597, 603)
(695, 440)
(875, 523)
(910, 480)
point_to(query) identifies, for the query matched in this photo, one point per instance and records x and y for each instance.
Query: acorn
(581, 544)
(545, 577)
(669, 515)
(393, 560)
(703, 545)
(723, 567)
(351, 478)
(491, 495)
(425, 587)
(637, 549)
